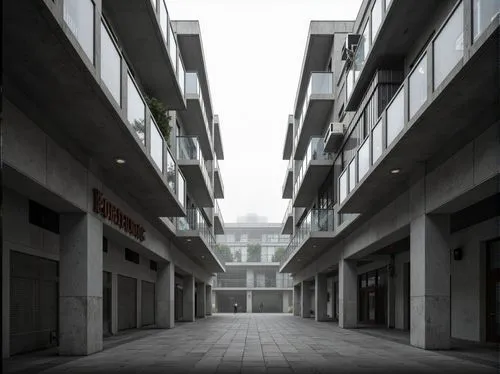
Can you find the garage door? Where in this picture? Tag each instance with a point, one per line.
(33, 303)
(148, 303)
(127, 302)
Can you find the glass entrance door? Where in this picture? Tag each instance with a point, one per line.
(493, 290)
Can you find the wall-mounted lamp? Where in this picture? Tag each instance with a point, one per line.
(458, 254)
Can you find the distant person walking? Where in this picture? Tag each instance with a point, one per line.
(235, 306)
(261, 307)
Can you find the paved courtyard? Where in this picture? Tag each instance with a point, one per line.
(258, 343)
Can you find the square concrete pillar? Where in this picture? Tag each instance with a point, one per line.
(138, 313)
(200, 300)
(208, 302)
(430, 282)
(305, 297)
(348, 294)
(188, 299)
(80, 285)
(165, 296)
(321, 297)
(249, 301)
(297, 304)
(286, 296)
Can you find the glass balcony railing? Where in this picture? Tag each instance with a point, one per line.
(194, 221)
(317, 220)
(218, 213)
(315, 151)
(217, 169)
(262, 280)
(192, 87)
(289, 169)
(288, 213)
(188, 148)
(320, 83)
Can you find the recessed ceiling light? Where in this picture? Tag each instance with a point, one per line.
(395, 171)
(314, 245)
(120, 161)
(188, 240)
(202, 257)
(299, 260)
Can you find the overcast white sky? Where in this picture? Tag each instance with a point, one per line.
(253, 52)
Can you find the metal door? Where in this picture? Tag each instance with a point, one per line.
(148, 303)
(127, 302)
(106, 303)
(493, 291)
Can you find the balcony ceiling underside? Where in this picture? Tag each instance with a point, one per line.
(313, 179)
(287, 228)
(137, 29)
(45, 77)
(218, 227)
(192, 244)
(219, 189)
(219, 150)
(287, 192)
(317, 55)
(394, 40)
(288, 146)
(466, 106)
(192, 54)
(310, 248)
(314, 122)
(196, 185)
(194, 124)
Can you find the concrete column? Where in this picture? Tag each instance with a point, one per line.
(285, 301)
(348, 294)
(114, 303)
(249, 301)
(430, 282)
(214, 302)
(208, 303)
(188, 299)
(305, 297)
(320, 297)
(200, 299)
(139, 303)
(80, 285)
(165, 296)
(297, 305)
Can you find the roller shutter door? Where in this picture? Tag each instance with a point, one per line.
(34, 295)
(148, 303)
(127, 303)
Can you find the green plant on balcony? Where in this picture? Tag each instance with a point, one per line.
(278, 255)
(161, 116)
(237, 256)
(224, 252)
(253, 253)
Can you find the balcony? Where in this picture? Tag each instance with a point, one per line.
(192, 164)
(313, 234)
(99, 113)
(287, 189)
(194, 235)
(312, 173)
(450, 95)
(287, 223)
(218, 185)
(195, 118)
(288, 146)
(218, 221)
(145, 31)
(317, 104)
(219, 150)
(385, 40)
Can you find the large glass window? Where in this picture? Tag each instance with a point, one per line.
(377, 141)
(170, 170)
(164, 20)
(110, 64)
(79, 16)
(135, 109)
(343, 186)
(418, 86)
(156, 145)
(363, 159)
(483, 13)
(352, 174)
(448, 46)
(395, 117)
(376, 18)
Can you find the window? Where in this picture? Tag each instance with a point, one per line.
(395, 117)
(43, 217)
(79, 16)
(135, 109)
(153, 265)
(132, 256)
(483, 13)
(110, 64)
(448, 46)
(376, 18)
(418, 86)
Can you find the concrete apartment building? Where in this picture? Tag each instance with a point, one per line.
(109, 217)
(251, 250)
(393, 176)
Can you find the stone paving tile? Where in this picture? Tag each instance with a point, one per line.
(260, 343)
